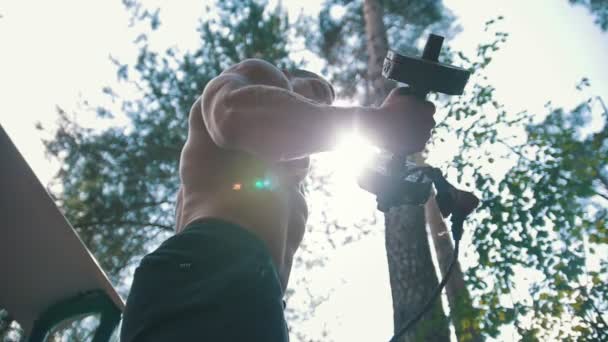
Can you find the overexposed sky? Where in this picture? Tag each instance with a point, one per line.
(56, 53)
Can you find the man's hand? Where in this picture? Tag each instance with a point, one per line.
(402, 124)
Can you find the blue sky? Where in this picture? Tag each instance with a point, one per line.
(56, 53)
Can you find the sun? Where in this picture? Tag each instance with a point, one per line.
(346, 162)
(352, 154)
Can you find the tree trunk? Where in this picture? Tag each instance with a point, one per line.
(411, 270)
(412, 275)
(377, 46)
(459, 299)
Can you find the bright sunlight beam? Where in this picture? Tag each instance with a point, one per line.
(351, 155)
(349, 202)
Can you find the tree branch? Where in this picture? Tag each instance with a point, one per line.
(602, 178)
(601, 195)
(567, 179)
(598, 313)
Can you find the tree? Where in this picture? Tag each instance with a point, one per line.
(598, 8)
(567, 182)
(553, 207)
(542, 218)
(462, 312)
(411, 269)
(506, 223)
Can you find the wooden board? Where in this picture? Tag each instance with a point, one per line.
(42, 259)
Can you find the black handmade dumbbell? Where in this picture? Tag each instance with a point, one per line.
(394, 180)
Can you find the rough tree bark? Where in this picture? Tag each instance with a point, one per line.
(411, 270)
(412, 275)
(459, 299)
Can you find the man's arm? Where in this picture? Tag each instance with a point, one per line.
(268, 120)
(250, 108)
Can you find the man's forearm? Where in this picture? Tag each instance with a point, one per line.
(276, 124)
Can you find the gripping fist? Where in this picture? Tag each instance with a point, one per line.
(402, 124)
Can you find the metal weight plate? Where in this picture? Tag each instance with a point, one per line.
(425, 74)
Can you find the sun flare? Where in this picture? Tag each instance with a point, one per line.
(352, 154)
(349, 203)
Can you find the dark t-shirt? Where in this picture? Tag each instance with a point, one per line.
(214, 281)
